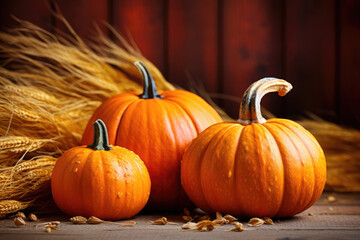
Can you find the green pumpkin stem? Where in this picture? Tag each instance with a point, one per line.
(250, 109)
(150, 90)
(101, 140)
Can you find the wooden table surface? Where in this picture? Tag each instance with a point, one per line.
(329, 220)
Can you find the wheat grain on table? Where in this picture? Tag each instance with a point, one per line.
(334, 216)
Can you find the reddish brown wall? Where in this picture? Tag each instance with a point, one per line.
(226, 45)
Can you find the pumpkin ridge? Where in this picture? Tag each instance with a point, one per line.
(237, 194)
(284, 169)
(99, 162)
(312, 160)
(260, 137)
(218, 135)
(107, 106)
(105, 203)
(68, 171)
(139, 169)
(173, 106)
(188, 179)
(196, 99)
(301, 189)
(166, 119)
(186, 113)
(120, 118)
(265, 125)
(235, 151)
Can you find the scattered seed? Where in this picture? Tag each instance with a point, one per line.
(20, 215)
(255, 222)
(78, 220)
(311, 214)
(128, 224)
(32, 217)
(268, 220)
(238, 227)
(160, 221)
(19, 221)
(331, 199)
(205, 225)
(94, 220)
(49, 223)
(230, 218)
(189, 226)
(56, 223)
(51, 226)
(220, 221)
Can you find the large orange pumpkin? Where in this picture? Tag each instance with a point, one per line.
(157, 126)
(255, 167)
(100, 180)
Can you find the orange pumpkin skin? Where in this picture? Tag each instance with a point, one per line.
(276, 168)
(158, 130)
(112, 184)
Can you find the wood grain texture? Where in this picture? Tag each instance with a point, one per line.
(144, 23)
(251, 47)
(193, 36)
(310, 56)
(349, 62)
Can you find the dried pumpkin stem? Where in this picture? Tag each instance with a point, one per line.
(150, 90)
(101, 140)
(250, 110)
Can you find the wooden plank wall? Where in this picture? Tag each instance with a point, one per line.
(227, 45)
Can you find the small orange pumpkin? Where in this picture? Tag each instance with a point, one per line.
(157, 126)
(255, 167)
(100, 180)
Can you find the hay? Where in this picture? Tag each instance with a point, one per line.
(342, 150)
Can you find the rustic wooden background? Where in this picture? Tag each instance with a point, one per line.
(226, 45)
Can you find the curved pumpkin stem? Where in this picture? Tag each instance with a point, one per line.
(150, 90)
(101, 140)
(250, 110)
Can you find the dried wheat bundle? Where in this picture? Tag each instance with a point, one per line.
(342, 150)
(49, 87)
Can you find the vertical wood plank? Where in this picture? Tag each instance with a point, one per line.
(35, 11)
(83, 14)
(251, 48)
(145, 22)
(349, 60)
(193, 43)
(310, 56)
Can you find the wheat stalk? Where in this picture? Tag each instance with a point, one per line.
(10, 206)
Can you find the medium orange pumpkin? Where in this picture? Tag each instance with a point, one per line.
(157, 126)
(255, 167)
(100, 180)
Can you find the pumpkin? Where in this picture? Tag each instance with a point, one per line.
(255, 167)
(157, 126)
(100, 180)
